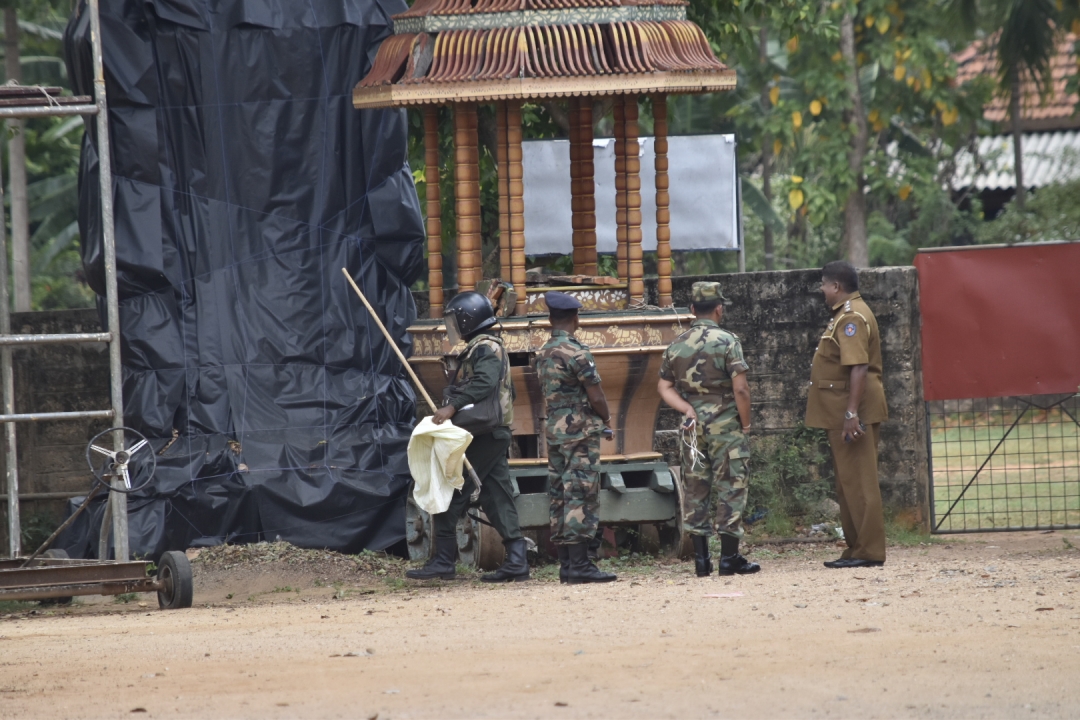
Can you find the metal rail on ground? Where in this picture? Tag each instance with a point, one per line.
(85, 106)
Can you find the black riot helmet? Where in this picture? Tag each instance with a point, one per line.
(466, 314)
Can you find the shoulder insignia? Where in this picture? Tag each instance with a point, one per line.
(847, 306)
(849, 329)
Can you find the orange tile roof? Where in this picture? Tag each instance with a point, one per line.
(1054, 112)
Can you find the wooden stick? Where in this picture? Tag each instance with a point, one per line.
(408, 368)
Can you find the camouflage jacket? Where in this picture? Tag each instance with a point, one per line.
(479, 366)
(566, 368)
(701, 364)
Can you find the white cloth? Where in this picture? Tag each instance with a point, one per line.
(436, 461)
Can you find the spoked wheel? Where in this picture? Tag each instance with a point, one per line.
(107, 463)
(177, 585)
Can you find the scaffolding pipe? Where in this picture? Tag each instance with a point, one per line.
(117, 500)
(54, 416)
(56, 339)
(7, 381)
(47, 111)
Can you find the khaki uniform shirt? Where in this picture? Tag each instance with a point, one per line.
(851, 338)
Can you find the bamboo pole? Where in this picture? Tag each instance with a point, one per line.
(635, 276)
(408, 368)
(503, 171)
(434, 211)
(516, 189)
(663, 200)
(467, 196)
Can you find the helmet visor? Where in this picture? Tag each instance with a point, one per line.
(452, 332)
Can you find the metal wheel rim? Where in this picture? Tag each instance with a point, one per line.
(98, 473)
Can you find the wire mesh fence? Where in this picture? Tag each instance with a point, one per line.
(1005, 463)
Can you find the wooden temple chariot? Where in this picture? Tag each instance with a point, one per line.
(464, 53)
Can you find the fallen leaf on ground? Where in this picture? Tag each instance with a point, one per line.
(1042, 609)
(865, 630)
(561, 704)
(723, 595)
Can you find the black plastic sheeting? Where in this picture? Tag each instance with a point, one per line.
(244, 180)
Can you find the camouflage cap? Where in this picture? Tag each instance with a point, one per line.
(703, 292)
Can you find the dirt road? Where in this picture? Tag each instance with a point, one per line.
(976, 627)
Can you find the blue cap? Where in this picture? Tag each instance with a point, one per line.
(561, 301)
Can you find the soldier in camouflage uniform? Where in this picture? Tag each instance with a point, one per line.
(703, 376)
(577, 413)
(483, 362)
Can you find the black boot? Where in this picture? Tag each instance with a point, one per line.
(702, 561)
(581, 568)
(442, 565)
(515, 567)
(564, 562)
(731, 562)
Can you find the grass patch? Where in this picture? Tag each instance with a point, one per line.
(125, 597)
(898, 532)
(1030, 480)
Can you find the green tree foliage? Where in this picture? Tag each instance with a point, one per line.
(52, 152)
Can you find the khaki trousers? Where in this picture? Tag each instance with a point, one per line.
(857, 490)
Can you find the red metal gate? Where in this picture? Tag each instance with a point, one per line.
(1001, 378)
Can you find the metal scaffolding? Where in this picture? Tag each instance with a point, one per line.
(39, 104)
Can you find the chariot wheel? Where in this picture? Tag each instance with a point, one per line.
(675, 542)
(419, 530)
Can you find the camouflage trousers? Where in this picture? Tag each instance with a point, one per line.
(573, 488)
(716, 485)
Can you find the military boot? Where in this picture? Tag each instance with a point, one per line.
(515, 567)
(442, 565)
(731, 562)
(564, 562)
(581, 568)
(702, 561)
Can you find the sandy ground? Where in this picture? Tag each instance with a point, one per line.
(972, 627)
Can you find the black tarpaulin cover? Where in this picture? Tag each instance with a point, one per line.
(244, 181)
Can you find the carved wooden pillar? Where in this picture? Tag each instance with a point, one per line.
(621, 254)
(503, 170)
(635, 276)
(434, 210)
(663, 200)
(467, 196)
(516, 190)
(583, 187)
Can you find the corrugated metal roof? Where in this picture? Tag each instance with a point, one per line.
(1048, 158)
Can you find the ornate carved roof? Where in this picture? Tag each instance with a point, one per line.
(449, 50)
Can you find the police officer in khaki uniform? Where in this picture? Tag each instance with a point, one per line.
(847, 399)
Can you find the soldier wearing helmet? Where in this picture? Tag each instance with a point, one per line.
(483, 369)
